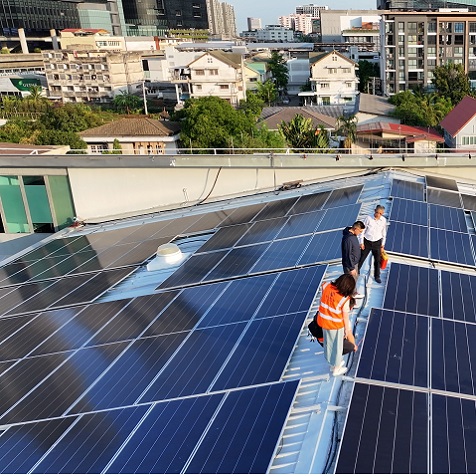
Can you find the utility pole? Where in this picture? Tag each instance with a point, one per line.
(146, 112)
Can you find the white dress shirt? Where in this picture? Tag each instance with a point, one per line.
(375, 229)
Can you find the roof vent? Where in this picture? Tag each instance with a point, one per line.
(167, 255)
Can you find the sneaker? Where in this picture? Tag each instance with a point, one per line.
(378, 280)
(359, 296)
(339, 371)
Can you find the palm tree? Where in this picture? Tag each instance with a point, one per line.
(347, 126)
(267, 91)
(299, 132)
(128, 103)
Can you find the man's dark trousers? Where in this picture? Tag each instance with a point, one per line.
(375, 248)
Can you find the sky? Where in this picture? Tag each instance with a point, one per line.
(270, 10)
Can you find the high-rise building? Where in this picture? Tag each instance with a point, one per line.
(297, 22)
(253, 23)
(157, 17)
(414, 43)
(311, 9)
(425, 5)
(221, 19)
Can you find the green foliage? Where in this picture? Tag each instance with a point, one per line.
(366, 71)
(299, 132)
(346, 126)
(451, 82)
(419, 109)
(4, 51)
(116, 148)
(260, 138)
(322, 140)
(74, 117)
(126, 103)
(253, 106)
(279, 71)
(267, 92)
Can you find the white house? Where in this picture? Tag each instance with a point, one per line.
(333, 80)
(459, 125)
(219, 74)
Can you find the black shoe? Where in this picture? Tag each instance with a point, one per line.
(378, 280)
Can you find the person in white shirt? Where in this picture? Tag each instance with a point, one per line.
(373, 239)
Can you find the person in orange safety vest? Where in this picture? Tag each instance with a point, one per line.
(333, 317)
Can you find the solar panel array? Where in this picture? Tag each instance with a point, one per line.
(184, 380)
(414, 400)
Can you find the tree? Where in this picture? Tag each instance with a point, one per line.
(252, 106)
(127, 103)
(279, 71)
(366, 71)
(451, 82)
(347, 126)
(299, 132)
(267, 92)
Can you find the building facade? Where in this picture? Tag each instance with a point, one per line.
(274, 33)
(425, 5)
(414, 43)
(297, 22)
(221, 19)
(253, 23)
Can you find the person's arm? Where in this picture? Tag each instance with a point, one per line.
(347, 328)
(384, 233)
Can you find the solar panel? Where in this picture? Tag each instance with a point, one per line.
(409, 190)
(454, 424)
(458, 296)
(255, 426)
(130, 374)
(322, 247)
(53, 396)
(262, 352)
(309, 203)
(442, 197)
(395, 348)
(340, 217)
(343, 196)
(262, 231)
(450, 246)
(412, 289)
(407, 239)
(386, 432)
(243, 214)
(302, 224)
(447, 218)
(453, 356)
(409, 211)
(225, 238)
(278, 208)
(281, 254)
(441, 182)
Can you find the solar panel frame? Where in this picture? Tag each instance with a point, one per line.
(451, 246)
(407, 189)
(409, 211)
(408, 239)
(458, 296)
(447, 218)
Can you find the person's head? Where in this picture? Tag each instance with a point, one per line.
(379, 211)
(345, 284)
(357, 228)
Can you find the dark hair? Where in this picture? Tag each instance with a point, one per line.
(359, 224)
(345, 284)
(351, 302)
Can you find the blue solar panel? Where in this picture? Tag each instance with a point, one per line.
(386, 432)
(195, 365)
(453, 436)
(245, 432)
(225, 238)
(292, 292)
(412, 289)
(451, 246)
(262, 353)
(301, 224)
(458, 296)
(281, 254)
(262, 231)
(442, 197)
(309, 203)
(407, 239)
(130, 375)
(167, 437)
(453, 356)
(91, 442)
(340, 217)
(409, 211)
(448, 218)
(343, 196)
(410, 190)
(395, 348)
(322, 247)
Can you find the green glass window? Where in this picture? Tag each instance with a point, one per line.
(62, 200)
(15, 219)
(38, 204)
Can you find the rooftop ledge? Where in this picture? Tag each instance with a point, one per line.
(268, 159)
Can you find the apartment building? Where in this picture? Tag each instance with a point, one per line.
(297, 22)
(414, 43)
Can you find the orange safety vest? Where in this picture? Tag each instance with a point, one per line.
(330, 314)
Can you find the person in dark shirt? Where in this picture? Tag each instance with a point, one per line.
(351, 248)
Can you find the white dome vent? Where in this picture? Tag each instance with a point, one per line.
(167, 255)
